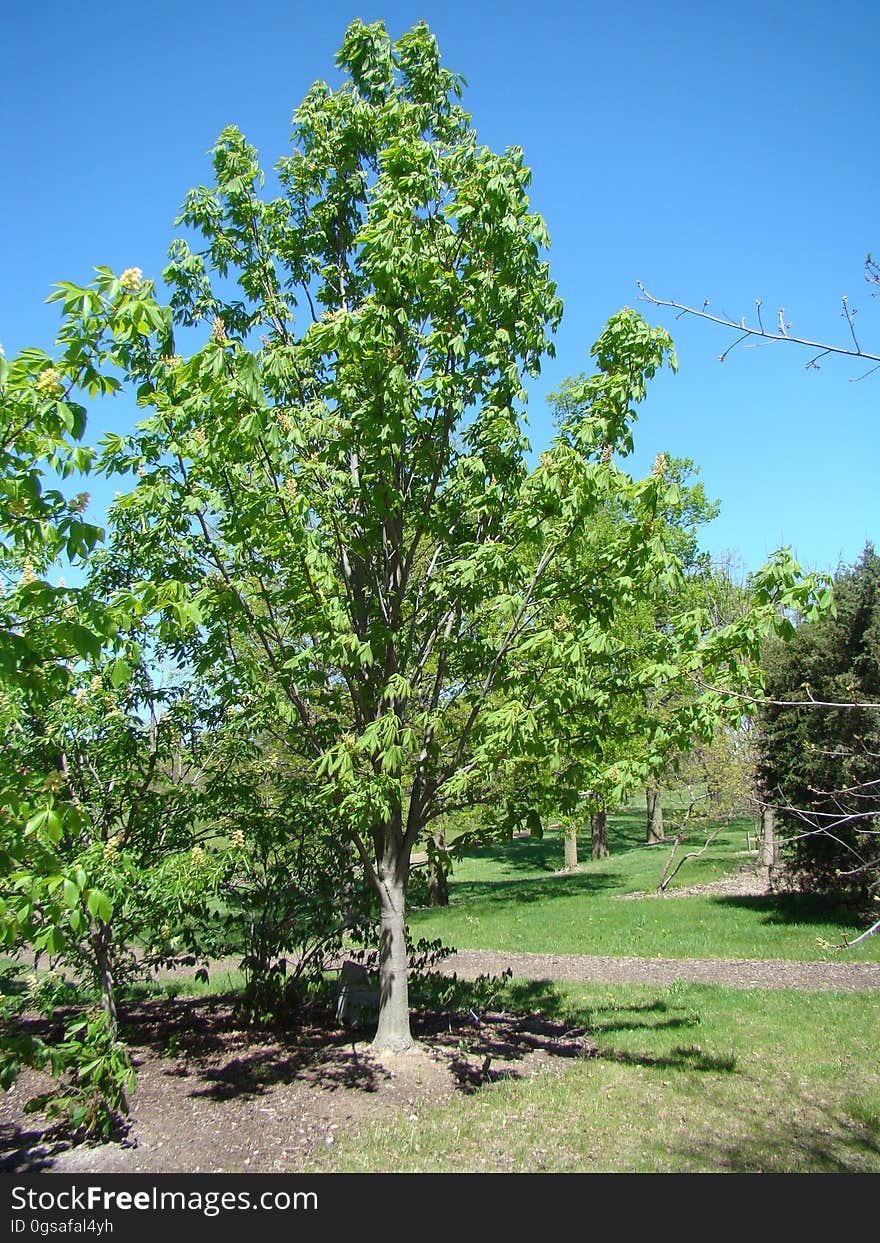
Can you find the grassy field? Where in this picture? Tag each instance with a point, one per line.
(511, 897)
(688, 1078)
(685, 1078)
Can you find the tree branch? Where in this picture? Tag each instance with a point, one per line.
(783, 334)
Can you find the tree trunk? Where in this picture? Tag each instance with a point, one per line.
(438, 889)
(655, 831)
(768, 838)
(393, 1032)
(438, 886)
(101, 939)
(571, 847)
(599, 827)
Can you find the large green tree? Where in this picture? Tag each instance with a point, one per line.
(335, 516)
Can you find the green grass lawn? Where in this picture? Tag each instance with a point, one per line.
(510, 897)
(687, 1078)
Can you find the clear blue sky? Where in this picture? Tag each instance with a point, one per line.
(711, 151)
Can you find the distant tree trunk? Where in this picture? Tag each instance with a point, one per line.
(349, 889)
(571, 847)
(438, 886)
(768, 838)
(655, 831)
(599, 829)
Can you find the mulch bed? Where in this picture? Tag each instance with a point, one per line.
(214, 1097)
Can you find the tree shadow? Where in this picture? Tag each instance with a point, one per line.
(833, 1141)
(523, 854)
(547, 853)
(537, 1018)
(332, 1066)
(792, 908)
(172, 1026)
(27, 1151)
(478, 1047)
(475, 1034)
(534, 889)
(682, 1057)
(200, 1039)
(489, 1048)
(658, 1015)
(631, 1024)
(627, 830)
(626, 834)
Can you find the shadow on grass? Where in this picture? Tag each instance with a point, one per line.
(793, 908)
(528, 1015)
(533, 856)
(627, 830)
(547, 854)
(682, 1057)
(632, 1024)
(533, 889)
(523, 854)
(823, 1139)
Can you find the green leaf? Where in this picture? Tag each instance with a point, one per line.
(120, 672)
(84, 641)
(100, 905)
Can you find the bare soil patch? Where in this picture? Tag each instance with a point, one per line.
(215, 1098)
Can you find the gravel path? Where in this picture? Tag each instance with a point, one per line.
(737, 973)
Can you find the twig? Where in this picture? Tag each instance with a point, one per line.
(691, 854)
(783, 334)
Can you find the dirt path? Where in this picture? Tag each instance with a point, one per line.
(737, 973)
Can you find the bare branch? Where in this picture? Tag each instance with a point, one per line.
(783, 703)
(743, 337)
(854, 379)
(783, 334)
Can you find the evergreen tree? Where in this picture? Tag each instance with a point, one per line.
(819, 762)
